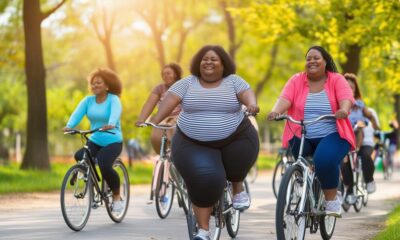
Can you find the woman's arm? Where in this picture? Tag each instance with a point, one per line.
(248, 98)
(280, 107)
(148, 108)
(167, 105)
(345, 107)
(367, 113)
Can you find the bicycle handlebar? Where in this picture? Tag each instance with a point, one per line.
(303, 122)
(164, 127)
(86, 132)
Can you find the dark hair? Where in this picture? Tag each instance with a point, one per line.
(351, 77)
(330, 64)
(227, 62)
(109, 77)
(176, 68)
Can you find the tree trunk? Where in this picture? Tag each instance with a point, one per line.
(109, 55)
(36, 154)
(270, 68)
(397, 112)
(352, 65)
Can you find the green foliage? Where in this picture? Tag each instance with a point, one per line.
(14, 180)
(392, 226)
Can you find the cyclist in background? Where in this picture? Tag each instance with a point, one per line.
(317, 91)
(214, 140)
(103, 109)
(393, 137)
(365, 121)
(170, 74)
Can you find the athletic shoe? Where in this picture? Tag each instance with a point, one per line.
(334, 208)
(351, 199)
(117, 206)
(202, 235)
(241, 201)
(371, 187)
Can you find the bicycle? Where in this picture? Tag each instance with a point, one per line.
(81, 191)
(382, 154)
(285, 160)
(359, 185)
(300, 202)
(166, 179)
(222, 214)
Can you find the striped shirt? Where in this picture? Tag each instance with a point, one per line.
(209, 114)
(317, 104)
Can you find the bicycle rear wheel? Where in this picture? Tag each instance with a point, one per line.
(279, 170)
(290, 225)
(76, 197)
(164, 194)
(359, 194)
(124, 191)
(232, 216)
(327, 226)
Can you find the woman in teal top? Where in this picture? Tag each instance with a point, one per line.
(103, 109)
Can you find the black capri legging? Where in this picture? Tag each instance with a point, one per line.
(105, 158)
(205, 166)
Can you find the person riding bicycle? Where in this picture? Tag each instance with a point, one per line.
(214, 140)
(362, 120)
(307, 95)
(103, 109)
(170, 74)
(393, 137)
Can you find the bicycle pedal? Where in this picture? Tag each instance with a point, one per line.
(149, 202)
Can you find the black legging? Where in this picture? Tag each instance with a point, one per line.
(205, 166)
(105, 158)
(367, 165)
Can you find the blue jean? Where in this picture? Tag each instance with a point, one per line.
(328, 153)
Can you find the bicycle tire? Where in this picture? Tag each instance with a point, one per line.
(122, 172)
(164, 195)
(327, 226)
(293, 175)
(77, 191)
(359, 203)
(232, 217)
(183, 200)
(191, 221)
(278, 172)
(341, 189)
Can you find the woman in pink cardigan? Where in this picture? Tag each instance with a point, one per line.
(307, 95)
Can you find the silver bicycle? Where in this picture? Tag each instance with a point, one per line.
(301, 201)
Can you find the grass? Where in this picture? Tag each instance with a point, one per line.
(392, 230)
(15, 180)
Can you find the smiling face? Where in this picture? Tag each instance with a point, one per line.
(98, 86)
(315, 63)
(168, 76)
(211, 66)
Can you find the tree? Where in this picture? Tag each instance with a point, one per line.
(36, 154)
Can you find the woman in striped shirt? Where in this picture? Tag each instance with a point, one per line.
(214, 140)
(318, 91)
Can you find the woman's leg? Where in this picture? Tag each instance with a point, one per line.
(239, 156)
(347, 175)
(367, 164)
(106, 157)
(203, 172)
(327, 158)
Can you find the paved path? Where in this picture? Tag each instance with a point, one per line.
(38, 216)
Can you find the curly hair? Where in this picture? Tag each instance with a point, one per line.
(109, 77)
(330, 64)
(351, 77)
(176, 68)
(226, 60)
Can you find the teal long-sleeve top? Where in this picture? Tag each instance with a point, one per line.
(100, 114)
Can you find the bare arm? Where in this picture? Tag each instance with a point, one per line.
(343, 111)
(167, 105)
(280, 107)
(370, 116)
(248, 98)
(148, 108)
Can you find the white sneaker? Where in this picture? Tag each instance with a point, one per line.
(241, 201)
(351, 199)
(371, 187)
(202, 235)
(117, 206)
(334, 208)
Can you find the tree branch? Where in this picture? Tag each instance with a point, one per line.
(51, 11)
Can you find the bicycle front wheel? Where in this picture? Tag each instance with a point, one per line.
(76, 197)
(289, 224)
(164, 194)
(327, 226)
(124, 191)
(232, 216)
(279, 170)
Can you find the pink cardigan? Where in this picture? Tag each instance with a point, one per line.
(296, 91)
